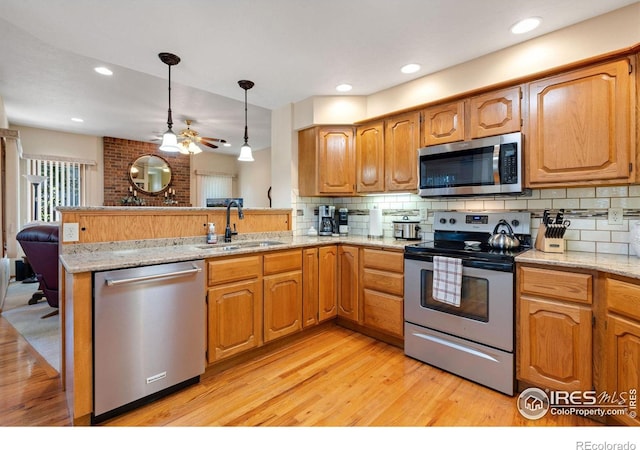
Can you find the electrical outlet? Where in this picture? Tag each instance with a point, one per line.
(70, 232)
(615, 216)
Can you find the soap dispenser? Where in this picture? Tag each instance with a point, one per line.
(212, 237)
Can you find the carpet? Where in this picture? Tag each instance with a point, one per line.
(42, 334)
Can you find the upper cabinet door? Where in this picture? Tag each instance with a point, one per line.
(580, 127)
(370, 157)
(402, 140)
(336, 160)
(443, 124)
(495, 113)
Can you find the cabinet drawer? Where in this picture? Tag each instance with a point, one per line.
(556, 284)
(282, 262)
(233, 269)
(383, 311)
(623, 298)
(383, 260)
(393, 283)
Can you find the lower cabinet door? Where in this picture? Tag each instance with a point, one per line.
(623, 362)
(555, 344)
(235, 318)
(282, 305)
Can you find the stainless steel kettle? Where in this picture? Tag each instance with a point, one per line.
(501, 239)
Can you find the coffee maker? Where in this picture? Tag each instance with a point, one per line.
(326, 222)
(343, 221)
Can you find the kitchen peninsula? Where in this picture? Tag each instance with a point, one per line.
(265, 271)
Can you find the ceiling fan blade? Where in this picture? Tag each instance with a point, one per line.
(213, 139)
(208, 144)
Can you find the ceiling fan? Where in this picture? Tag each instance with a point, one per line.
(188, 140)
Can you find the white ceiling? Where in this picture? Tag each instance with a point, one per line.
(291, 49)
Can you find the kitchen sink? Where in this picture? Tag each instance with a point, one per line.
(230, 246)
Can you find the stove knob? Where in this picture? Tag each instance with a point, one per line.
(443, 220)
(515, 222)
(452, 221)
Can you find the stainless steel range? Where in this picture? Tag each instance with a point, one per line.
(472, 336)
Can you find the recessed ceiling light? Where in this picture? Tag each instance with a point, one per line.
(103, 71)
(343, 87)
(526, 25)
(77, 119)
(226, 144)
(410, 68)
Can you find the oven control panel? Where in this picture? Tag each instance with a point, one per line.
(485, 222)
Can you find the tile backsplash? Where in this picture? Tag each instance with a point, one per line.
(586, 208)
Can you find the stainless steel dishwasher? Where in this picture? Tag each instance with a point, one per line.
(149, 334)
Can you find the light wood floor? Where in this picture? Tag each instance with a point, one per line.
(333, 377)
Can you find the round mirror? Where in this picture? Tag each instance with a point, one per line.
(150, 174)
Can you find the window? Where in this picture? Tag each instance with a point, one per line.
(64, 186)
(212, 185)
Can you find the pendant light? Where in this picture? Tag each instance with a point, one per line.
(245, 150)
(169, 138)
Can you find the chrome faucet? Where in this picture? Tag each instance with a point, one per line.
(227, 231)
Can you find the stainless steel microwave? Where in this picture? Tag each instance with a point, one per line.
(485, 166)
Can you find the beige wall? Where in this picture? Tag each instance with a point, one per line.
(254, 179)
(213, 163)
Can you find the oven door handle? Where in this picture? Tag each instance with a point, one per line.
(496, 164)
(455, 346)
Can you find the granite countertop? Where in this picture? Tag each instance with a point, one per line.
(120, 258)
(624, 265)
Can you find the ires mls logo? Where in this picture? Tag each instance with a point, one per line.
(534, 403)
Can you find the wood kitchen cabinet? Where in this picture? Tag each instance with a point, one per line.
(234, 306)
(581, 127)
(382, 279)
(401, 143)
(387, 154)
(348, 282)
(494, 113)
(622, 341)
(442, 124)
(326, 161)
(555, 328)
(370, 153)
(489, 114)
(327, 282)
(282, 278)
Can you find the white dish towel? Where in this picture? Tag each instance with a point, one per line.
(447, 280)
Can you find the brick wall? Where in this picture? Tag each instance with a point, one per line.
(119, 153)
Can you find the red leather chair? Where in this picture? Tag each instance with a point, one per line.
(40, 246)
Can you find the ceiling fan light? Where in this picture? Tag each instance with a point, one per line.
(169, 142)
(194, 149)
(183, 147)
(245, 153)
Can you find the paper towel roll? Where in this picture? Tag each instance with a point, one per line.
(375, 222)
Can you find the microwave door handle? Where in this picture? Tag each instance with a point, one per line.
(496, 164)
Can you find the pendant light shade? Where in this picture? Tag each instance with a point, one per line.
(245, 150)
(169, 138)
(245, 154)
(169, 142)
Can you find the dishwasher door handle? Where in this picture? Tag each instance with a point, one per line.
(179, 273)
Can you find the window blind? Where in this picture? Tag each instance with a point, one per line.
(64, 186)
